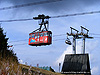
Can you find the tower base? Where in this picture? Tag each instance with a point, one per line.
(76, 64)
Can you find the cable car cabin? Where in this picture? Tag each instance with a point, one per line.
(40, 38)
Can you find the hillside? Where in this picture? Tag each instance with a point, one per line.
(35, 70)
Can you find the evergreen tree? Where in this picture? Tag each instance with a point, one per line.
(4, 51)
(3, 42)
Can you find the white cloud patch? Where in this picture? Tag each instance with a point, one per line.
(21, 61)
(90, 46)
(69, 51)
(95, 70)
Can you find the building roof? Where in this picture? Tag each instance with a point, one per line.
(76, 63)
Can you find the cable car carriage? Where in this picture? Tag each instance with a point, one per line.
(41, 36)
(68, 40)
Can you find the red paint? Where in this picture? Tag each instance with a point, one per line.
(40, 38)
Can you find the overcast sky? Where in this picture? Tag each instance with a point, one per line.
(53, 54)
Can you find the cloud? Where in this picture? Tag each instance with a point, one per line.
(21, 61)
(69, 51)
(61, 7)
(78, 49)
(55, 8)
(95, 70)
(89, 49)
(64, 5)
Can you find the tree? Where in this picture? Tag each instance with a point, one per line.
(4, 51)
(3, 42)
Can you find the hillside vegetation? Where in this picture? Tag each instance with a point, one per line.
(8, 59)
(35, 71)
(9, 64)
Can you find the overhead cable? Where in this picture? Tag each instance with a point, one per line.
(27, 39)
(53, 40)
(27, 43)
(53, 36)
(16, 20)
(76, 14)
(67, 15)
(29, 4)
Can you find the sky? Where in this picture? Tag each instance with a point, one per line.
(51, 55)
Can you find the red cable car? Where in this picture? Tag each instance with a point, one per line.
(41, 36)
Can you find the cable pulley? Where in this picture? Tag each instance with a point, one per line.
(41, 36)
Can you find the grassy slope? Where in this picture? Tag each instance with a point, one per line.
(40, 70)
